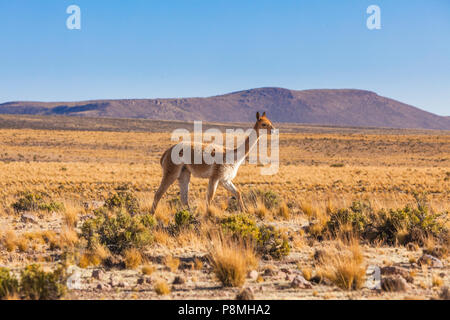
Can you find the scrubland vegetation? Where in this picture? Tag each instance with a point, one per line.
(74, 219)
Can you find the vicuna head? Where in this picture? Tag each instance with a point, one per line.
(262, 122)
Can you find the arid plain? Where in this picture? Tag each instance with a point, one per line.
(345, 202)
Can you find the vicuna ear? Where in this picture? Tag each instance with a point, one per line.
(257, 116)
(264, 114)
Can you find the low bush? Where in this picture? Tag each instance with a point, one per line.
(392, 226)
(267, 239)
(269, 198)
(337, 165)
(184, 219)
(241, 226)
(123, 200)
(37, 284)
(35, 202)
(272, 242)
(9, 285)
(417, 224)
(355, 218)
(118, 230)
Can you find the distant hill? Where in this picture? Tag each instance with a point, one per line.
(341, 107)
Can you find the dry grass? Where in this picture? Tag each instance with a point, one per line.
(162, 288)
(22, 244)
(132, 258)
(261, 211)
(148, 269)
(9, 240)
(307, 273)
(284, 212)
(214, 212)
(81, 166)
(344, 266)
(172, 263)
(68, 238)
(93, 257)
(198, 264)
(382, 167)
(231, 261)
(437, 281)
(70, 214)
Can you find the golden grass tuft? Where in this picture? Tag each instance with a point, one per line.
(9, 240)
(161, 237)
(68, 238)
(198, 264)
(283, 211)
(22, 244)
(94, 257)
(261, 211)
(344, 266)
(231, 261)
(164, 213)
(214, 212)
(308, 209)
(172, 263)
(72, 210)
(307, 273)
(148, 269)
(162, 288)
(132, 258)
(437, 281)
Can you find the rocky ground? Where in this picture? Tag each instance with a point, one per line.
(392, 272)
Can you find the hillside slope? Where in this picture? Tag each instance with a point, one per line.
(343, 107)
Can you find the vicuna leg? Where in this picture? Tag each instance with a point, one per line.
(183, 181)
(232, 188)
(212, 187)
(166, 182)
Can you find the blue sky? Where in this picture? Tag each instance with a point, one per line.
(149, 49)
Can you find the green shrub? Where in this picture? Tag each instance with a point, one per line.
(28, 202)
(267, 239)
(337, 165)
(123, 200)
(272, 242)
(147, 220)
(269, 198)
(418, 224)
(37, 284)
(51, 206)
(389, 226)
(34, 202)
(8, 283)
(118, 230)
(241, 226)
(184, 218)
(357, 216)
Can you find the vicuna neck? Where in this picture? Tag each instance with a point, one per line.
(247, 146)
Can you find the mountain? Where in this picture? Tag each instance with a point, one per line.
(340, 107)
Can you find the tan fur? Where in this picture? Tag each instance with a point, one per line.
(216, 173)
